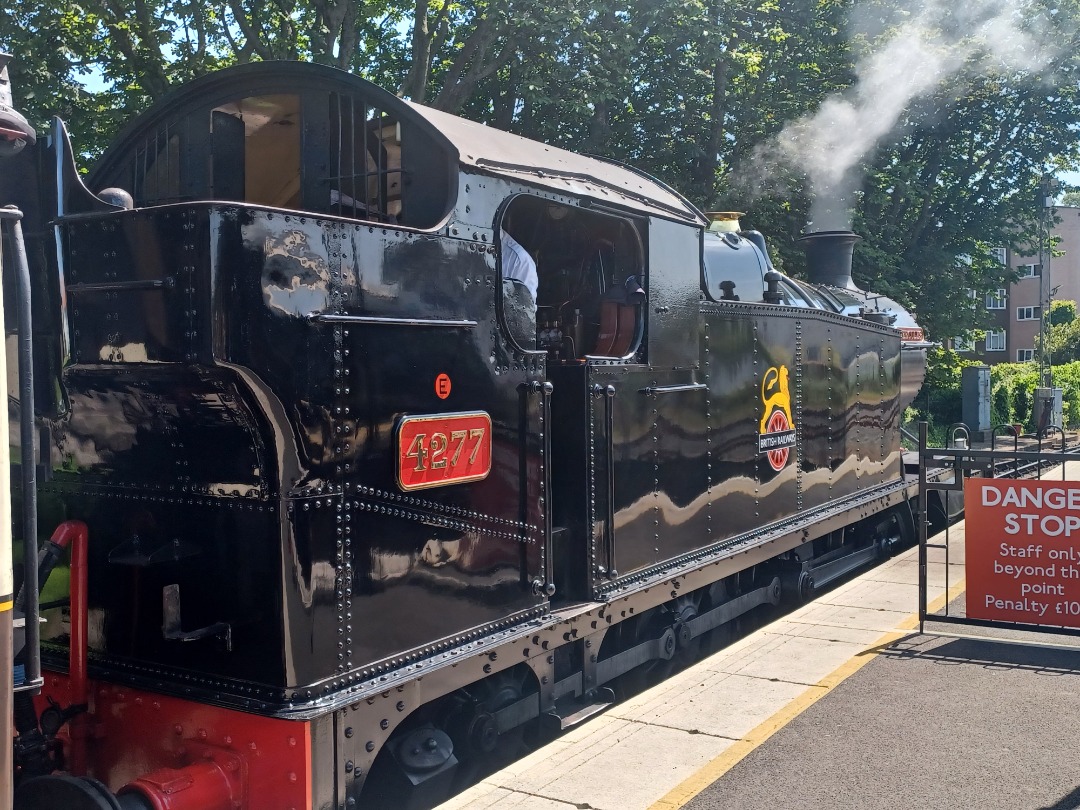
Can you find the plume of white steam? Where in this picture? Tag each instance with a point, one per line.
(926, 43)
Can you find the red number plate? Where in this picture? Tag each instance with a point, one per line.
(911, 333)
(451, 448)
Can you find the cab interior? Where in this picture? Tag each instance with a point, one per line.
(591, 280)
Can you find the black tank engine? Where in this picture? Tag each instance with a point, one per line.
(358, 505)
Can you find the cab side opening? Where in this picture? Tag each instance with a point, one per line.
(590, 281)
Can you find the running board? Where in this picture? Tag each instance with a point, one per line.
(821, 575)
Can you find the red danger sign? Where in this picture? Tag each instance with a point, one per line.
(1022, 543)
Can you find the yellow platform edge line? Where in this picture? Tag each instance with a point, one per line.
(721, 764)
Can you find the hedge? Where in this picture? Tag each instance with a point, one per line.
(1012, 392)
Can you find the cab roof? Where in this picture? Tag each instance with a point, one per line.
(500, 153)
(478, 148)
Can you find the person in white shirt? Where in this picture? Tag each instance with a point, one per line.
(518, 265)
(519, 275)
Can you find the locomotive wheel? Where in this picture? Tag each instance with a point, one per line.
(674, 615)
(688, 650)
(471, 723)
(900, 529)
(69, 792)
(466, 721)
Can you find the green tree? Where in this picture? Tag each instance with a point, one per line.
(1062, 313)
(1063, 342)
(688, 90)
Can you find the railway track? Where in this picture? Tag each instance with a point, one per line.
(1012, 468)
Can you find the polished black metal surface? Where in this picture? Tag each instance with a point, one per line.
(226, 437)
(226, 378)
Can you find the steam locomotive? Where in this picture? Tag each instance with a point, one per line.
(339, 509)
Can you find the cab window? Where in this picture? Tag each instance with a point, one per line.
(589, 280)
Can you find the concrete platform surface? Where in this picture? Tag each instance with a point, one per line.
(837, 704)
(930, 722)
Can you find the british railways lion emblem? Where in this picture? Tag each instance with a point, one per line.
(777, 434)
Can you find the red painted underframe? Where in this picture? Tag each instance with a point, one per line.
(133, 733)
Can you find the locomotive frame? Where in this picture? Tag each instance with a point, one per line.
(238, 353)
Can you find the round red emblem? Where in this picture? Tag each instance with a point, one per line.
(442, 386)
(778, 422)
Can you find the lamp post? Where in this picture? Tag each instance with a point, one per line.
(1048, 188)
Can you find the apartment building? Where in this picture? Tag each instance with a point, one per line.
(1015, 313)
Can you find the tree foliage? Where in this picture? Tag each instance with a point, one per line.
(1063, 339)
(1062, 312)
(688, 90)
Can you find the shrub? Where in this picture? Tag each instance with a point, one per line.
(1012, 392)
(1001, 411)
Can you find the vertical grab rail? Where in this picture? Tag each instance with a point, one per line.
(7, 594)
(546, 390)
(547, 587)
(608, 393)
(922, 518)
(12, 217)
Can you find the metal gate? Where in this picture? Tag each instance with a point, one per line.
(943, 473)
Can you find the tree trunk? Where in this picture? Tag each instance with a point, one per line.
(415, 84)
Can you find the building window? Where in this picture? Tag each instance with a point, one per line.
(961, 344)
(996, 299)
(995, 340)
(1029, 270)
(1028, 313)
(1024, 355)
(998, 254)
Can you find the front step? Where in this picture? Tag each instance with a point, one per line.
(570, 712)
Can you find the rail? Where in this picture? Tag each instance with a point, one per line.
(373, 320)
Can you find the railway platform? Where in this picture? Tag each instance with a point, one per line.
(841, 703)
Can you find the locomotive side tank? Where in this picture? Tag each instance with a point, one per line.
(348, 484)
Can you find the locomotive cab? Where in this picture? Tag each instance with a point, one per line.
(324, 149)
(590, 269)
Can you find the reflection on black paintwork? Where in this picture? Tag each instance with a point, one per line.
(238, 372)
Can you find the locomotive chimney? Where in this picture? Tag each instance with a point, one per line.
(828, 257)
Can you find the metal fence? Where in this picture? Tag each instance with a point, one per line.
(943, 472)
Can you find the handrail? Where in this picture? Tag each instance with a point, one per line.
(672, 389)
(12, 216)
(608, 394)
(374, 320)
